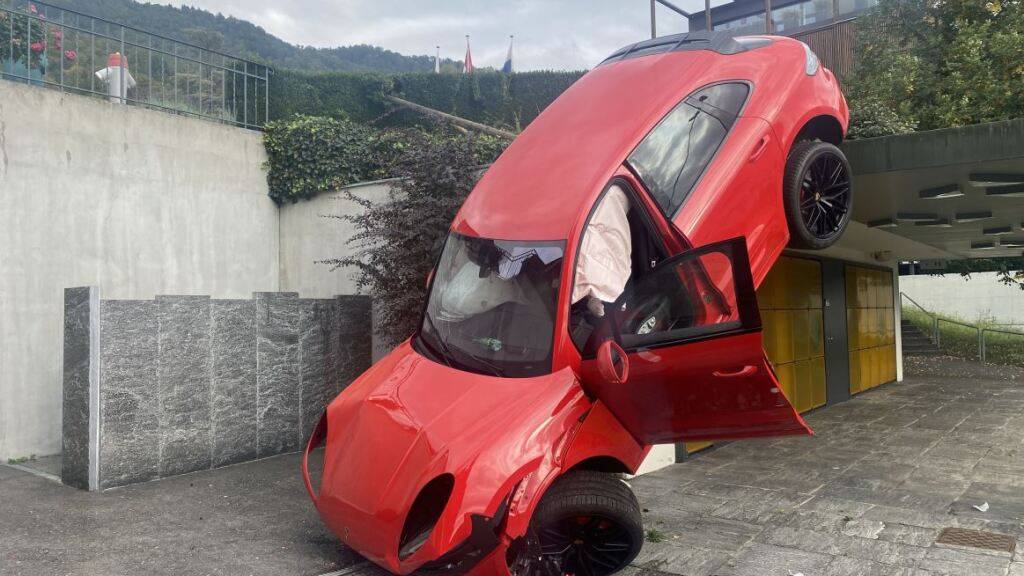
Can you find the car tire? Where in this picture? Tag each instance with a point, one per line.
(589, 518)
(816, 194)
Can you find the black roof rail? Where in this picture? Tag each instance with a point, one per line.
(720, 42)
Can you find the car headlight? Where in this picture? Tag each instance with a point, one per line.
(426, 510)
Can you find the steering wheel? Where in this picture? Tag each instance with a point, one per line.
(651, 315)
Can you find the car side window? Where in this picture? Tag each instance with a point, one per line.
(673, 156)
(699, 293)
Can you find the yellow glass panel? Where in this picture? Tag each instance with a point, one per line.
(801, 334)
(782, 286)
(814, 298)
(890, 363)
(876, 366)
(851, 287)
(879, 281)
(889, 296)
(786, 374)
(853, 328)
(692, 447)
(818, 390)
(854, 371)
(803, 392)
(784, 336)
(816, 331)
(863, 289)
(769, 325)
(765, 292)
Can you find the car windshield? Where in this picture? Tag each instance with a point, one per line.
(491, 308)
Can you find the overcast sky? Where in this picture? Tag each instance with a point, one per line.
(554, 34)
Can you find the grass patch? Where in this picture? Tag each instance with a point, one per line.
(962, 341)
(21, 460)
(654, 535)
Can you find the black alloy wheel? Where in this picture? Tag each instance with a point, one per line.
(587, 524)
(818, 195)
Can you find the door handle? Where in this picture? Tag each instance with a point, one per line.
(761, 147)
(745, 371)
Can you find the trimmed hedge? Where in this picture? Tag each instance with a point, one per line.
(309, 155)
(487, 97)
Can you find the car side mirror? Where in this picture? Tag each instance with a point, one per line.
(612, 362)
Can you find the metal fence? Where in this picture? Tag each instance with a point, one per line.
(47, 45)
(983, 335)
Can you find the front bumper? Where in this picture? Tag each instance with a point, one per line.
(484, 538)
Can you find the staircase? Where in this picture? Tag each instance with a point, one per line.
(916, 342)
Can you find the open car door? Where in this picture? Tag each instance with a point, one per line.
(691, 331)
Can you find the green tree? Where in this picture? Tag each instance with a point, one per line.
(398, 241)
(927, 64)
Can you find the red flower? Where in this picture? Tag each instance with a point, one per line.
(58, 34)
(32, 9)
(37, 46)
(71, 55)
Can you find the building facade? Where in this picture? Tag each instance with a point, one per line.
(825, 25)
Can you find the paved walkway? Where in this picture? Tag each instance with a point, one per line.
(866, 496)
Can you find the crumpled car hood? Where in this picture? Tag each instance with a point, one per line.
(409, 419)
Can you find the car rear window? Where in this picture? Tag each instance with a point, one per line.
(673, 156)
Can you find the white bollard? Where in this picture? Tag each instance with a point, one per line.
(113, 75)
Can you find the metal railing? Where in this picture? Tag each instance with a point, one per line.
(982, 332)
(47, 45)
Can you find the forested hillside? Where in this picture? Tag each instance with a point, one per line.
(245, 39)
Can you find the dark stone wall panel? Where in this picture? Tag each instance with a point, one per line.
(129, 398)
(185, 383)
(233, 344)
(78, 318)
(354, 339)
(277, 373)
(316, 319)
(186, 443)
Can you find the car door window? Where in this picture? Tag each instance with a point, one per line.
(697, 294)
(673, 156)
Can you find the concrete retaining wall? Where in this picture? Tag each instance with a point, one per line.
(139, 202)
(156, 388)
(980, 297)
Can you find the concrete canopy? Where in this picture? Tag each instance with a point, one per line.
(953, 193)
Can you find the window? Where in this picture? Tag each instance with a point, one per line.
(850, 6)
(491, 308)
(701, 293)
(688, 296)
(671, 159)
(753, 24)
(646, 251)
(801, 14)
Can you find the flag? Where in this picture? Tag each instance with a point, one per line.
(468, 69)
(507, 68)
(437, 61)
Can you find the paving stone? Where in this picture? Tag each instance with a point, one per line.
(866, 496)
(846, 566)
(910, 535)
(960, 563)
(862, 528)
(763, 559)
(837, 506)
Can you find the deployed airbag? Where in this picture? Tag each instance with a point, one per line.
(603, 265)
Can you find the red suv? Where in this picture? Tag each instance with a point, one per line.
(595, 296)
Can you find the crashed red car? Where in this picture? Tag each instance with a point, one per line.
(549, 361)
